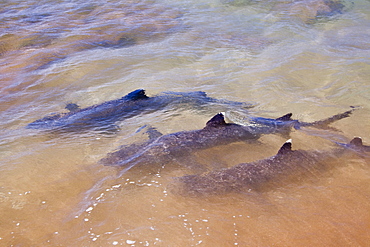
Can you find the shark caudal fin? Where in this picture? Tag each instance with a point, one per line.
(217, 120)
(324, 124)
(286, 117)
(136, 95)
(287, 147)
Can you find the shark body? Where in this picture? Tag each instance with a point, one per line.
(133, 104)
(286, 164)
(162, 149)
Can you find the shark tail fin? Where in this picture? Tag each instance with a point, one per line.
(287, 147)
(324, 124)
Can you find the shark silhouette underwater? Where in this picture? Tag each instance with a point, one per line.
(103, 116)
(260, 175)
(179, 146)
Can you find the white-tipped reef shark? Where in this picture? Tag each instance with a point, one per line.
(260, 175)
(135, 103)
(162, 149)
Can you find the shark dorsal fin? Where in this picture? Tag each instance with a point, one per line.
(217, 120)
(357, 141)
(287, 147)
(286, 117)
(72, 107)
(136, 95)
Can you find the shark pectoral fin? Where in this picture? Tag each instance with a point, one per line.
(287, 147)
(286, 117)
(72, 107)
(136, 95)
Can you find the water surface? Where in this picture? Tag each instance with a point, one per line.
(284, 56)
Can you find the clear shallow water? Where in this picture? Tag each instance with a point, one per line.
(277, 55)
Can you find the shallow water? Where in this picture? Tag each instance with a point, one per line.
(277, 55)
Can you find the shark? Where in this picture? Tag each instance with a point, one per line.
(106, 114)
(287, 164)
(178, 147)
